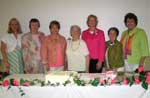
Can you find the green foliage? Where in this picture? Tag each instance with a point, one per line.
(79, 82)
(131, 80)
(95, 82)
(144, 85)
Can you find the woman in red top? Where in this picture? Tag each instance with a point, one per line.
(95, 41)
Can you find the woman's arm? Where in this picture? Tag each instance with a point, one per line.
(143, 43)
(66, 63)
(41, 36)
(65, 47)
(44, 54)
(102, 51)
(4, 55)
(119, 55)
(87, 63)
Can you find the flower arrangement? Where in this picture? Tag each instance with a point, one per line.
(142, 78)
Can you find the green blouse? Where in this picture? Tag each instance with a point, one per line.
(114, 54)
(139, 45)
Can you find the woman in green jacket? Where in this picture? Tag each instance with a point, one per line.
(114, 52)
(135, 43)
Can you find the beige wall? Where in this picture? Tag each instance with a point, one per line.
(68, 12)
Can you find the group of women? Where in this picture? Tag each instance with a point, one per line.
(86, 51)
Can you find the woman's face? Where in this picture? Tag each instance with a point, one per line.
(54, 29)
(112, 35)
(14, 26)
(75, 33)
(130, 24)
(34, 27)
(92, 22)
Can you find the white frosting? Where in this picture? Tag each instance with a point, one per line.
(59, 76)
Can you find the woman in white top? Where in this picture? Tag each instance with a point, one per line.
(77, 51)
(11, 48)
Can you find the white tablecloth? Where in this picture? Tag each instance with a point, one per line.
(113, 91)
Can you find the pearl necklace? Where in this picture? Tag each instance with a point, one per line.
(75, 49)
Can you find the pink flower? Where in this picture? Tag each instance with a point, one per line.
(26, 84)
(1, 76)
(102, 82)
(141, 69)
(5, 83)
(125, 81)
(148, 74)
(15, 83)
(114, 80)
(147, 79)
(136, 80)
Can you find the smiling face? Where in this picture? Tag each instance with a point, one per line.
(112, 35)
(54, 29)
(34, 26)
(130, 24)
(92, 22)
(75, 33)
(14, 26)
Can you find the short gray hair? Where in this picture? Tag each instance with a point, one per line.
(75, 26)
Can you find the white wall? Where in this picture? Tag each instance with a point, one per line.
(68, 12)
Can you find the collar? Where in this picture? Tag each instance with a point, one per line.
(111, 44)
(95, 33)
(131, 32)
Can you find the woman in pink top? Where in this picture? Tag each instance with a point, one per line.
(95, 41)
(53, 49)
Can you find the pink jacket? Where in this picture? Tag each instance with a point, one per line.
(95, 43)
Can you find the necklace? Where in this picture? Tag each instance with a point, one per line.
(54, 39)
(76, 48)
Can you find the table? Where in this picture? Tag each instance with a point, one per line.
(113, 91)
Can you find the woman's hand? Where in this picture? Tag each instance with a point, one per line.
(98, 65)
(108, 69)
(25, 43)
(28, 69)
(6, 63)
(6, 67)
(87, 71)
(46, 68)
(42, 36)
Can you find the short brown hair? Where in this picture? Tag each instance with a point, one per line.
(114, 29)
(34, 20)
(130, 16)
(19, 26)
(54, 22)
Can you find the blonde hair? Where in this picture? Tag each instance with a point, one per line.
(9, 27)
